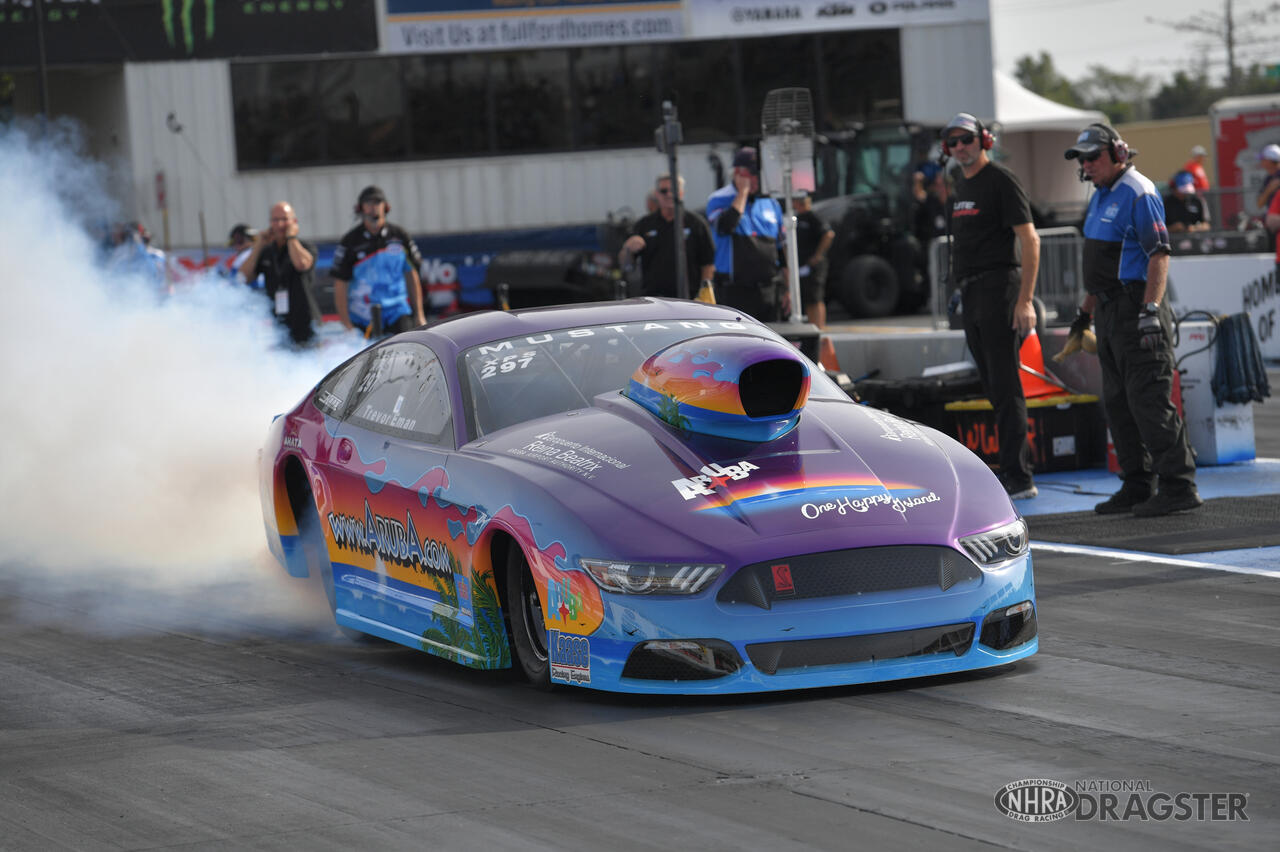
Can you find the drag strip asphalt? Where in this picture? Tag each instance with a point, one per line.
(196, 724)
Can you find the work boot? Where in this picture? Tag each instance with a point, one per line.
(1169, 500)
(1025, 492)
(1129, 495)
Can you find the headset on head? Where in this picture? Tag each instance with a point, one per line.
(984, 136)
(1118, 147)
(360, 205)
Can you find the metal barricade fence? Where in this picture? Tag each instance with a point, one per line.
(1059, 285)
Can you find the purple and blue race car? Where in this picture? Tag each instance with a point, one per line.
(651, 496)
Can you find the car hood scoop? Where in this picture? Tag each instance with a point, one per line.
(724, 385)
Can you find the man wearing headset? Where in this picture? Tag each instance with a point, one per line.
(990, 221)
(376, 263)
(1126, 265)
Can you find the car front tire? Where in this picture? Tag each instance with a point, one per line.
(528, 627)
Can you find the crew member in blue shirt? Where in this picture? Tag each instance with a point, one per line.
(377, 263)
(747, 227)
(1126, 266)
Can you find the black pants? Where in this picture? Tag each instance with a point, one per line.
(762, 300)
(1137, 395)
(988, 330)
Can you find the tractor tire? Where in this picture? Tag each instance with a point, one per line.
(868, 287)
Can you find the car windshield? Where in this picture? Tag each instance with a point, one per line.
(523, 378)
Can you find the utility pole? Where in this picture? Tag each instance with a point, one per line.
(1224, 27)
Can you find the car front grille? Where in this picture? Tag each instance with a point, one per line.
(859, 570)
(775, 657)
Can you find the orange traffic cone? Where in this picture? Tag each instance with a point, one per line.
(1035, 379)
(827, 354)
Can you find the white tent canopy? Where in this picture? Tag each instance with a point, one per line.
(1018, 109)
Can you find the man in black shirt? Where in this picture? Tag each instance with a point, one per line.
(991, 213)
(813, 239)
(1183, 209)
(287, 266)
(653, 241)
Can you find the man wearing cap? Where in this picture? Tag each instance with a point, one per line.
(1126, 266)
(747, 226)
(1184, 210)
(813, 240)
(286, 264)
(375, 272)
(990, 223)
(1269, 158)
(1271, 218)
(240, 242)
(653, 241)
(1196, 167)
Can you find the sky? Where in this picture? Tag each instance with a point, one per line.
(1118, 35)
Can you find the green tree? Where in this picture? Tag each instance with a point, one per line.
(1122, 96)
(1185, 95)
(1039, 75)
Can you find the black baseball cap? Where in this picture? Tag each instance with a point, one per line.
(241, 230)
(746, 159)
(371, 193)
(1093, 138)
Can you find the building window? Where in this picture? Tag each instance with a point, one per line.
(449, 105)
(392, 109)
(362, 104)
(614, 97)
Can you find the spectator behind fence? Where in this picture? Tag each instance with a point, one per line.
(240, 241)
(1195, 166)
(376, 264)
(1269, 157)
(286, 264)
(1185, 211)
(133, 254)
(1126, 267)
(653, 243)
(747, 227)
(1272, 222)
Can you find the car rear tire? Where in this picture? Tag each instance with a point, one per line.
(528, 627)
(869, 287)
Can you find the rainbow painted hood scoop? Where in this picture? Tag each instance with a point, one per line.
(727, 385)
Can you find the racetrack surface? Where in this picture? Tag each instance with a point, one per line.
(209, 729)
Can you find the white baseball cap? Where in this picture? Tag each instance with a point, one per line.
(1270, 152)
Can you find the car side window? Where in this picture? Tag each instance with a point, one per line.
(336, 393)
(402, 392)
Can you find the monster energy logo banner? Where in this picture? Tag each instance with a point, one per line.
(79, 31)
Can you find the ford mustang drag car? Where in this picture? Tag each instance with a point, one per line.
(643, 496)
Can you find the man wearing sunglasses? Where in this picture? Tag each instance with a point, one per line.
(1126, 265)
(995, 258)
(653, 241)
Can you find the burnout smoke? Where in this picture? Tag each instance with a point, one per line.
(131, 420)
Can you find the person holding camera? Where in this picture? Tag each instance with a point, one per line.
(1126, 267)
(286, 264)
(747, 228)
(653, 243)
(375, 272)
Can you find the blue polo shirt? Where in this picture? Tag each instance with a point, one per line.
(1123, 228)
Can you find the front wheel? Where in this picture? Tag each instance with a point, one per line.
(528, 627)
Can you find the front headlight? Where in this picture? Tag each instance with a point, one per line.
(993, 548)
(650, 578)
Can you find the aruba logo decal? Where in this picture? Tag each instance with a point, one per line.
(713, 476)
